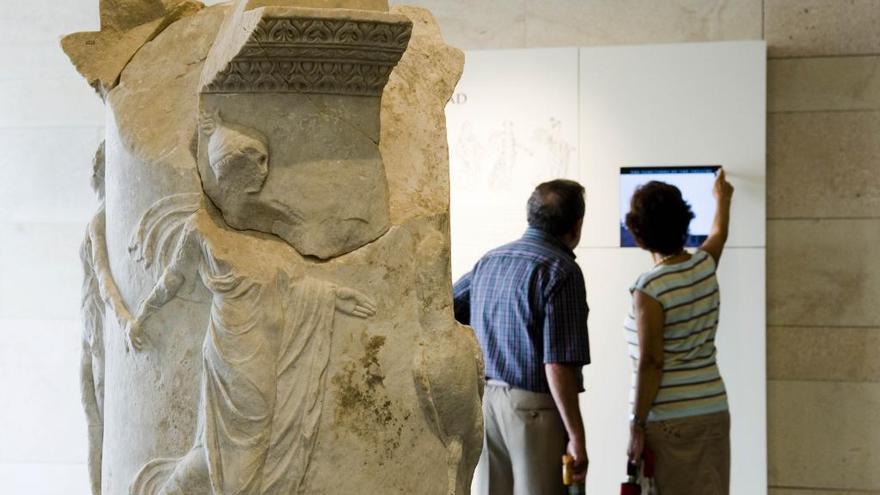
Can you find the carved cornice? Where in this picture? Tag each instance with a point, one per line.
(315, 55)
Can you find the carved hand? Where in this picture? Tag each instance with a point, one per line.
(124, 319)
(134, 334)
(354, 303)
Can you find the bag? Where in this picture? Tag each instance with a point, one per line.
(640, 476)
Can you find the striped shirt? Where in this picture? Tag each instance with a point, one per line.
(528, 306)
(688, 293)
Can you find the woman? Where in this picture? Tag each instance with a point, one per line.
(680, 404)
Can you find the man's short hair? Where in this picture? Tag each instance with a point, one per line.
(659, 218)
(556, 206)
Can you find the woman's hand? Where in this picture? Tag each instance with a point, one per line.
(134, 334)
(636, 442)
(354, 303)
(723, 190)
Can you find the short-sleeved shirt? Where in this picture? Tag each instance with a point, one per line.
(689, 295)
(528, 306)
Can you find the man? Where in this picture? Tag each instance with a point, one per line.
(527, 303)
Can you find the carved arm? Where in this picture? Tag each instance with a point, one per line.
(109, 291)
(166, 288)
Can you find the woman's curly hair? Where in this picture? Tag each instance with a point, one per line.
(659, 218)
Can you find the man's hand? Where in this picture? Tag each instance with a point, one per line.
(578, 451)
(563, 382)
(354, 303)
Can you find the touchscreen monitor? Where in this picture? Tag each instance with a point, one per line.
(695, 183)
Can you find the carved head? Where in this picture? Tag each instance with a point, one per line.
(311, 81)
(238, 156)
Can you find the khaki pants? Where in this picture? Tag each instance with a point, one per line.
(693, 454)
(523, 443)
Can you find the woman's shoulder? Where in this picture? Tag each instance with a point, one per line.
(704, 260)
(663, 275)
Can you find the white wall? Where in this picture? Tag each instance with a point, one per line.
(621, 106)
(50, 125)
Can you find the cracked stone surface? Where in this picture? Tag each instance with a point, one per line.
(276, 251)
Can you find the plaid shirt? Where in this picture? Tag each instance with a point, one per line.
(528, 305)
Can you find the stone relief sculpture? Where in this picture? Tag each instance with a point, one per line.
(99, 292)
(267, 343)
(277, 212)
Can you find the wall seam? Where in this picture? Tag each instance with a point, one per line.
(51, 126)
(814, 489)
(839, 55)
(810, 380)
(852, 327)
(764, 20)
(840, 110)
(802, 219)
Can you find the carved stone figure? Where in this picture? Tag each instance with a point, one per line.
(267, 344)
(99, 292)
(277, 212)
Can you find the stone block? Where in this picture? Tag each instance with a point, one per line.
(49, 102)
(610, 22)
(803, 28)
(823, 83)
(39, 263)
(62, 170)
(823, 165)
(39, 375)
(823, 354)
(34, 61)
(823, 273)
(812, 491)
(824, 435)
(26, 21)
(478, 25)
(45, 478)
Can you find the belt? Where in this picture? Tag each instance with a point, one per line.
(497, 383)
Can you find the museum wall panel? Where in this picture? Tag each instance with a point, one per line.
(50, 125)
(39, 382)
(44, 478)
(498, 151)
(29, 21)
(48, 103)
(58, 168)
(40, 271)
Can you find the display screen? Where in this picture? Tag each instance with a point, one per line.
(695, 184)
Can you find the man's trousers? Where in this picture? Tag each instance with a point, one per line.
(523, 443)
